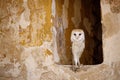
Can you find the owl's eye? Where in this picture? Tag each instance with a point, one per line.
(74, 34)
(79, 34)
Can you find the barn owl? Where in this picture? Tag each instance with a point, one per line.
(78, 45)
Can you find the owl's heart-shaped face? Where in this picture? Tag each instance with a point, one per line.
(77, 35)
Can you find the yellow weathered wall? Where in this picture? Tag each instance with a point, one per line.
(39, 29)
(25, 38)
(28, 31)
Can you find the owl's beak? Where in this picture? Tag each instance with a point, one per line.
(77, 37)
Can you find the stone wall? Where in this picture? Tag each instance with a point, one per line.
(111, 30)
(25, 38)
(35, 34)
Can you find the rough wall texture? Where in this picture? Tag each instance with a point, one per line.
(111, 30)
(25, 38)
(29, 41)
(64, 22)
(39, 27)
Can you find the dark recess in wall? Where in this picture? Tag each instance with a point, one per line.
(93, 53)
(90, 10)
(98, 52)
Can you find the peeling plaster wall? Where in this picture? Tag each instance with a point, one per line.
(39, 30)
(32, 23)
(25, 38)
(55, 48)
(34, 34)
(111, 30)
(61, 24)
(10, 50)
